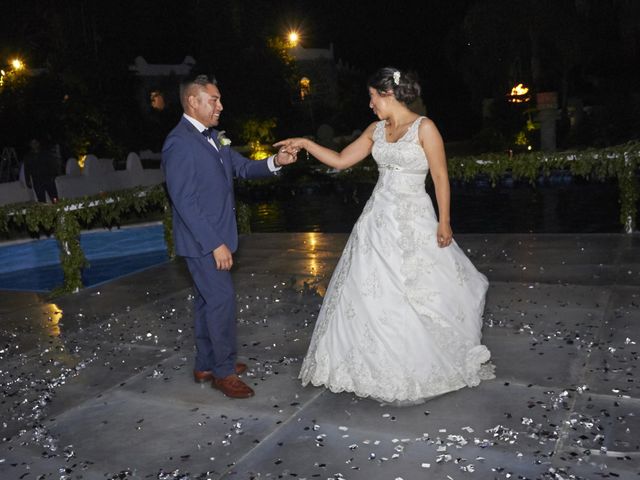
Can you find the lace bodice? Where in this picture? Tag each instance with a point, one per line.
(403, 165)
(404, 154)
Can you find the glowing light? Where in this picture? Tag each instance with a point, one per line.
(519, 94)
(519, 89)
(54, 315)
(258, 150)
(81, 160)
(293, 38)
(17, 64)
(313, 266)
(157, 100)
(305, 87)
(521, 139)
(312, 240)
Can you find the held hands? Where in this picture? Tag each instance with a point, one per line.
(444, 235)
(223, 257)
(291, 146)
(285, 156)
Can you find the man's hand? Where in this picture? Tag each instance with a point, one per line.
(286, 156)
(223, 257)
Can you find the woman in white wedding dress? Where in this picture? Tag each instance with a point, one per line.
(401, 320)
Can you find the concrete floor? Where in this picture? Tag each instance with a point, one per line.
(98, 385)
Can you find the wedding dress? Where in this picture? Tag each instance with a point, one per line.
(401, 320)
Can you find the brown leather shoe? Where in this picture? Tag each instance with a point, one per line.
(241, 368)
(207, 375)
(233, 387)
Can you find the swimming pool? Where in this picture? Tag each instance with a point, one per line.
(35, 265)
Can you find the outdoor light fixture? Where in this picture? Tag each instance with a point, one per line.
(519, 94)
(294, 38)
(157, 100)
(305, 87)
(17, 64)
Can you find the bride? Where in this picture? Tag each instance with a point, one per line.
(401, 320)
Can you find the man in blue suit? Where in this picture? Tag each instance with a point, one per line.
(199, 172)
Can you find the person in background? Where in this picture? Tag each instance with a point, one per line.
(41, 167)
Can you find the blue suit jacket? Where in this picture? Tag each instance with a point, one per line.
(200, 185)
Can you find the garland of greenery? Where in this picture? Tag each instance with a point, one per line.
(620, 162)
(65, 218)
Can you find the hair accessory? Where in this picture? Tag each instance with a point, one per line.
(396, 77)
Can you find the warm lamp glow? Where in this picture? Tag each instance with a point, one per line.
(312, 240)
(54, 315)
(17, 64)
(305, 87)
(259, 151)
(294, 38)
(519, 94)
(313, 266)
(157, 100)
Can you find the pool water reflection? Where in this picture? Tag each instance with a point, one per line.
(570, 207)
(35, 265)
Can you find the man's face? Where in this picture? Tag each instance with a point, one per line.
(208, 106)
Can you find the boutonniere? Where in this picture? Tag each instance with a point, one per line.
(224, 141)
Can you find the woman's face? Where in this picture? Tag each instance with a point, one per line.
(380, 103)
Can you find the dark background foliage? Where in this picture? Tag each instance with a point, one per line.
(463, 50)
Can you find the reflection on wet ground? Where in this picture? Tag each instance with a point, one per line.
(98, 384)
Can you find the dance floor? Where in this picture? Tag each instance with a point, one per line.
(98, 385)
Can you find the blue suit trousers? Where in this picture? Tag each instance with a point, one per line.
(214, 316)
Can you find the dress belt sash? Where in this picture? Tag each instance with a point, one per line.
(396, 168)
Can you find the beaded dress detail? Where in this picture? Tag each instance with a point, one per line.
(401, 320)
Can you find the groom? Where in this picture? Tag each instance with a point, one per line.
(199, 170)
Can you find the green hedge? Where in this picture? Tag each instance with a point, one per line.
(620, 162)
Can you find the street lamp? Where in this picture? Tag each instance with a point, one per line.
(17, 64)
(294, 38)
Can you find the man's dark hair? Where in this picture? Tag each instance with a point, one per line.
(200, 80)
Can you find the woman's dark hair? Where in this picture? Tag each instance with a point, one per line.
(404, 85)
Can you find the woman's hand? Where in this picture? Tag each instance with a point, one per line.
(292, 144)
(444, 235)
